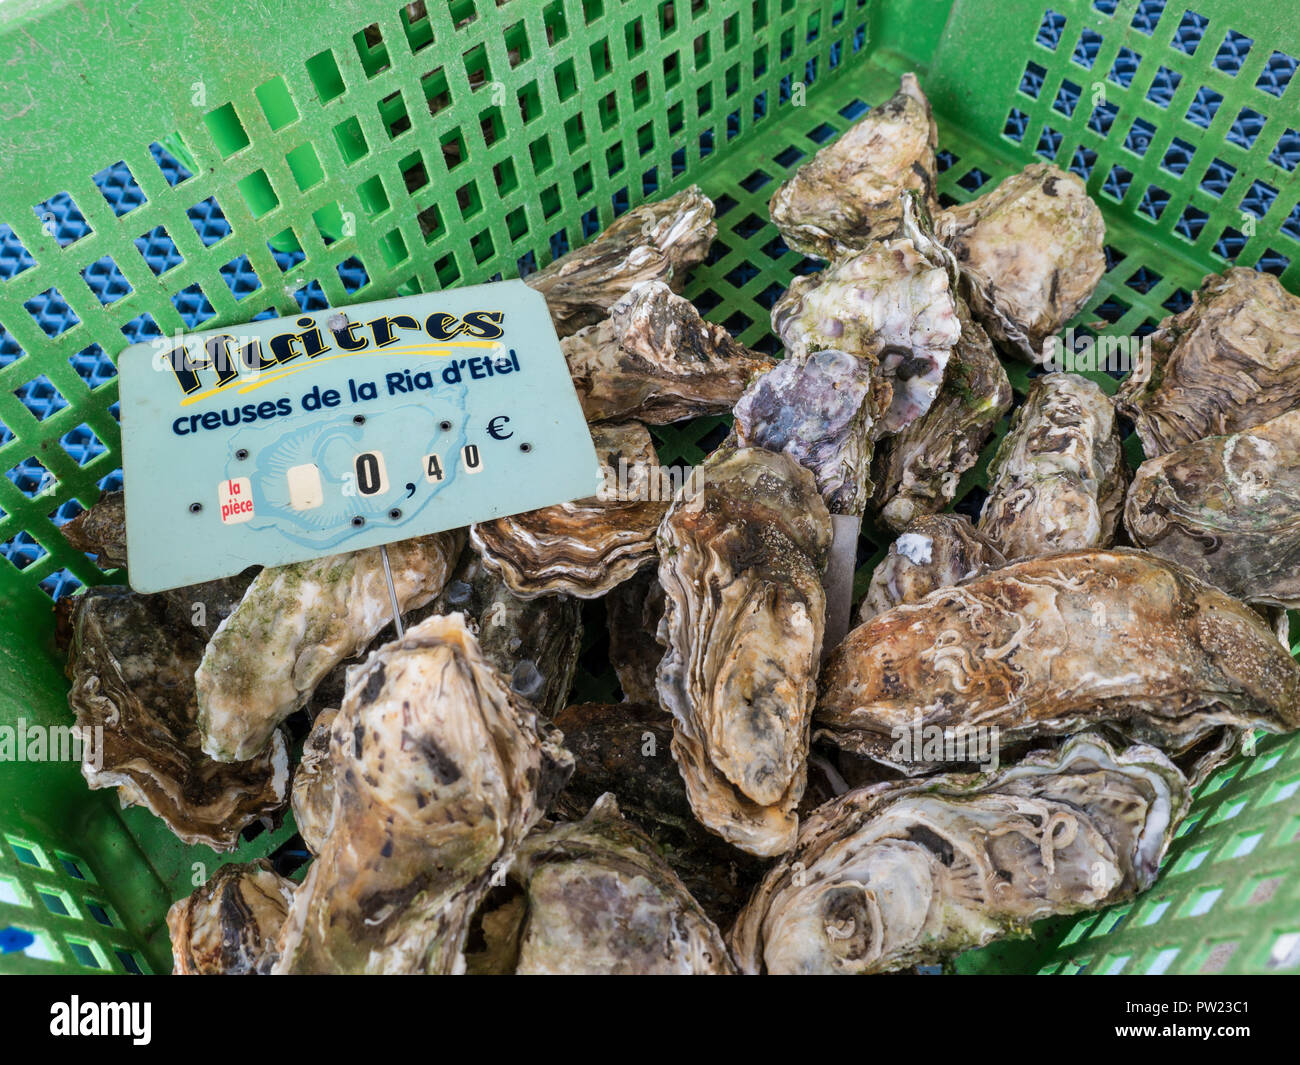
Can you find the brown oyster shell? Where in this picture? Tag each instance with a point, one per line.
(228, 927)
(847, 195)
(1057, 480)
(312, 799)
(740, 563)
(439, 773)
(1227, 508)
(657, 241)
(589, 546)
(1229, 361)
(101, 530)
(655, 360)
(132, 672)
(632, 613)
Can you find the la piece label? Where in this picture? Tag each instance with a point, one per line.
(291, 439)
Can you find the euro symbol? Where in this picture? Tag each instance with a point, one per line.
(494, 430)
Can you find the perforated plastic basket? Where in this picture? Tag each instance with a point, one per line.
(159, 170)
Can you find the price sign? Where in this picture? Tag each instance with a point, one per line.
(286, 440)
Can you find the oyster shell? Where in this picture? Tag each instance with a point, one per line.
(740, 563)
(597, 900)
(819, 410)
(1054, 645)
(1227, 508)
(1030, 253)
(101, 530)
(132, 673)
(625, 748)
(936, 551)
(228, 927)
(895, 875)
(1056, 481)
(847, 195)
(917, 471)
(656, 360)
(587, 547)
(632, 613)
(439, 773)
(295, 624)
(313, 784)
(657, 241)
(1229, 361)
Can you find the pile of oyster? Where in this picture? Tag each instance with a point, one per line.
(1012, 730)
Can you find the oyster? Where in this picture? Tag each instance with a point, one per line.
(1229, 361)
(1054, 645)
(295, 624)
(1057, 479)
(313, 784)
(656, 360)
(101, 530)
(740, 563)
(228, 927)
(895, 875)
(632, 614)
(657, 241)
(533, 642)
(917, 471)
(936, 551)
(1030, 253)
(439, 773)
(847, 195)
(132, 673)
(625, 748)
(595, 899)
(587, 547)
(1227, 508)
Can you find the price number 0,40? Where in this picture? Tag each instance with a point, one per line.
(372, 473)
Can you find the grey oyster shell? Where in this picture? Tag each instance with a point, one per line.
(1057, 480)
(657, 241)
(589, 546)
(741, 559)
(655, 360)
(848, 194)
(918, 470)
(228, 927)
(1054, 645)
(596, 899)
(625, 748)
(1229, 361)
(936, 551)
(312, 799)
(534, 642)
(101, 530)
(895, 875)
(1227, 508)
(632, 613)
(132, 672)
(1031, 252)
(439, 774)
(295, 624)
(818, 409)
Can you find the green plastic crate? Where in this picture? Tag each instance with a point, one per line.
(472, 141)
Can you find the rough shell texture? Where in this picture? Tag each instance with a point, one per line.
(132, 671)
(1227, 508)
(439, 773)
(595, 899)
(313, 784)
(819, 410)
(1030, 253)
(654, 359)
(918, 471)
(1054, 645)
(587, 547)
(624, 748)
(936, 551)
(228, 927)
(633, 611)
(740, 563)
(295, 624)
(895, 875)
(1057, 479)
(847, 195)
(533, 642)
(1230, 361)
(657, 241)
(101, 530)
